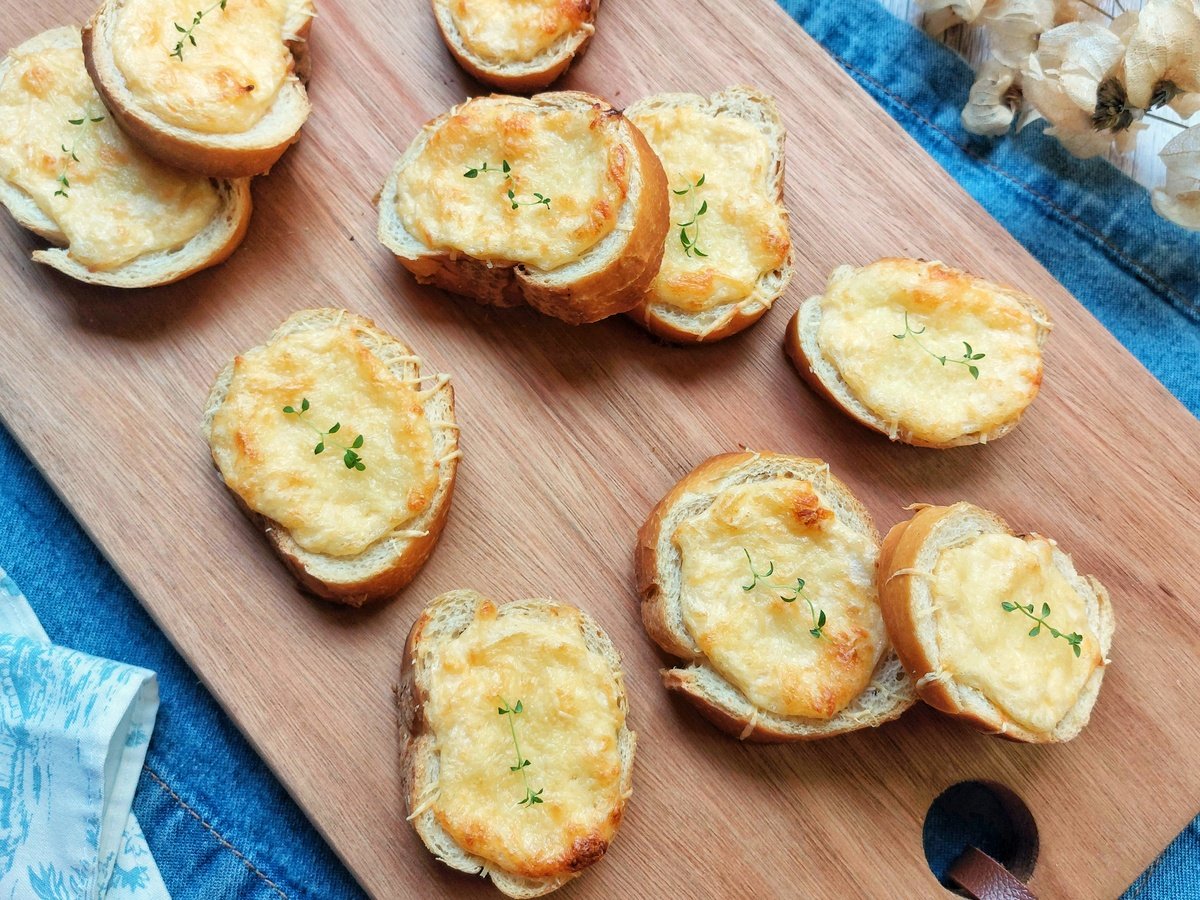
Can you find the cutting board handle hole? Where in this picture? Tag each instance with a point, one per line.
(985, 815)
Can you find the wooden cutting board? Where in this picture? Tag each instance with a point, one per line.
(571, 435)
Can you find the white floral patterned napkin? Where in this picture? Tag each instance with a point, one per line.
(73, 735)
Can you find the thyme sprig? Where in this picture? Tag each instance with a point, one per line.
(818, 620)
(188, 36)
(70, 156)
(818, 615)
(1074, 638)
(531, 796)
(691, 241)
(349, 454)
(486, 168)
(968, 358)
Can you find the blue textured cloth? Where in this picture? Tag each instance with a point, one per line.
(217, 822)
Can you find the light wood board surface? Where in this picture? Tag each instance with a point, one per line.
(571, 435)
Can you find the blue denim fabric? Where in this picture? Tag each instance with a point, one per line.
(220, 825)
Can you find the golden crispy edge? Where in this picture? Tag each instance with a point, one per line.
(528, 82)
(901, 547)
(406, 566)
(613, 288)
(794, 348)
(216, 162)
(415, 729)
(653, 601)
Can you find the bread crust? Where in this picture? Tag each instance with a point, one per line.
(411, 554)
(670, 323)
(901, 613)
(418, 746)
(518, 78)
(612, 285)
(219, 156)
(211, 247)
(694, 682)
(838, 394)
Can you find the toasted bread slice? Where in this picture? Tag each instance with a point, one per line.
(516, 48)
(533, 680)
(486, 202)
(758, 570)
(729, 256)
(960, 592)
(227, 103)
(357, 523)
(53, 182)
(921, 352)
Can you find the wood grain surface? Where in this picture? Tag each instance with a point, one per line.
(571, 435)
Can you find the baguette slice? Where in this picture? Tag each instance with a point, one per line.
(441, 623)
(517, 73)
(742, 104)
(209, 247)
(927, 285)
(659, 575)
(232, 155)
(607, 278)
(393, 561)
(910, 552)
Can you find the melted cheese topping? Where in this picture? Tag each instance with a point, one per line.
(119, 203)
(225, 83)
(902, 383)
(1035, 680)
(568, 728)
(506, 31)
(744, 229)
(759, 643)
(575, 158)
(266, 456)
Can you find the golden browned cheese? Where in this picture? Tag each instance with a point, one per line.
(119, 204)
(1034, 679)
(754, 638)
(902, 379)
(267, 456)
(743, 231)
(571, 156)
(507, 31)
(225, 82)
(567, 728)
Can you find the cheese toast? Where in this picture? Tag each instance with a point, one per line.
(218, 90)
(926, 354)
(728, 256)
(996, 629)
(339, 443)
(516, 757)
(758, 570)
(554, 200)
(69, 174)
(516, 47)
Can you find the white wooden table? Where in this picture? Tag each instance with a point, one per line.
(1143, 164)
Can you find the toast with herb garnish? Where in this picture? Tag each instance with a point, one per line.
(554, 200)
(67, 173)
(996, 629)
(516, 47)
(728, 255)
(926, 354)
(758, 570)
(217, 90)
(516, 757)
(342, 446)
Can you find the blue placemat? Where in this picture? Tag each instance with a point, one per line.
(218, 823)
